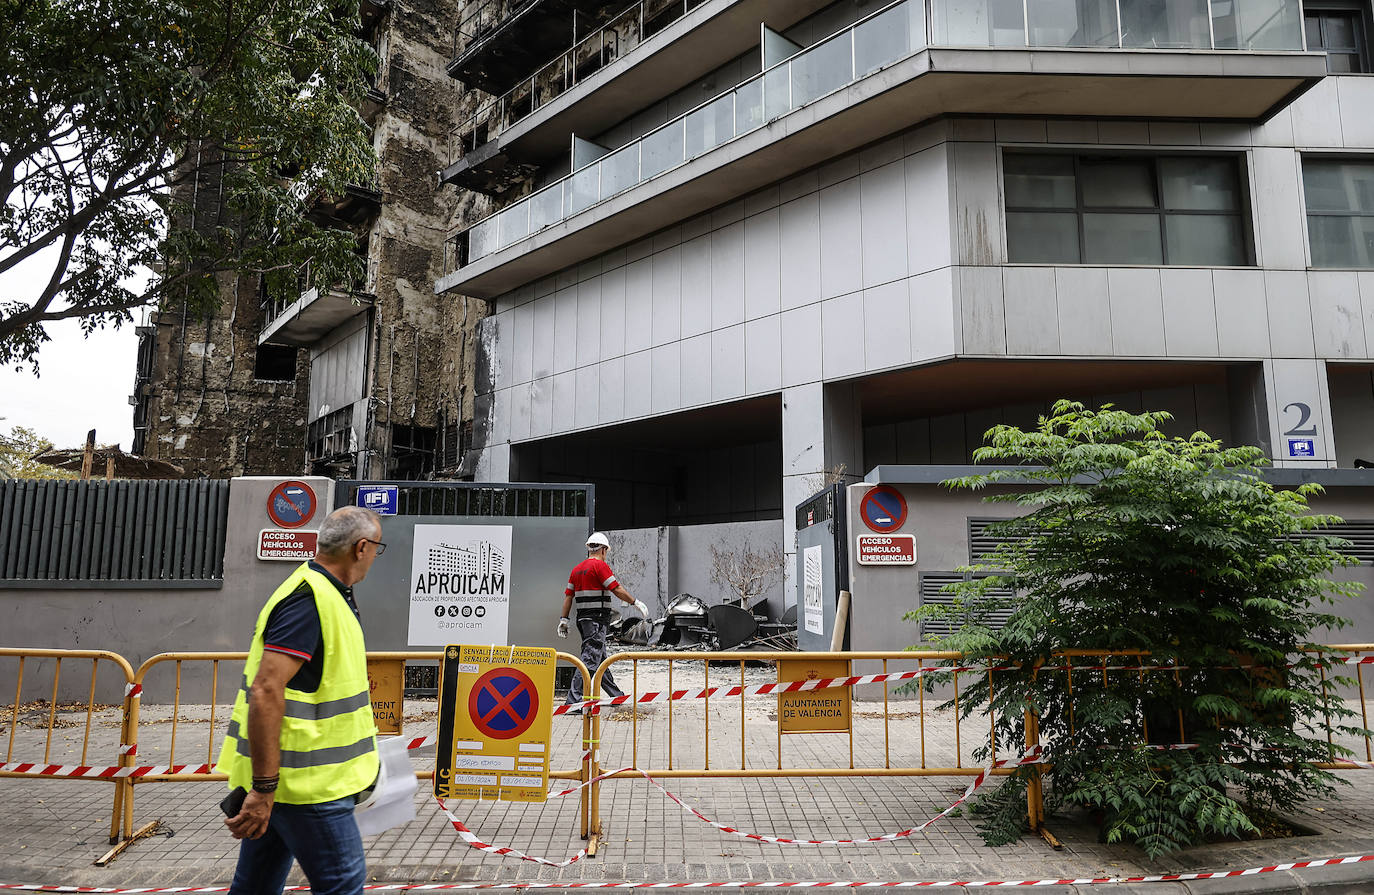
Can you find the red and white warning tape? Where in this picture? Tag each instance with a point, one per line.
(471, 839)
(646, 698)
(84, 772)
(90, 772)
(1030, 757)
(735, 884)
(758, 689)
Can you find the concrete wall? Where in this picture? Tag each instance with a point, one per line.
(939, 518)
(657, 564)
(138, 624)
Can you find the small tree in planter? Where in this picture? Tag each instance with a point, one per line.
(1134, 540)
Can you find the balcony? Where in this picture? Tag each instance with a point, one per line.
(303, 317)
(646, 51)
(355, 207)
(909, 62)
(499, 41)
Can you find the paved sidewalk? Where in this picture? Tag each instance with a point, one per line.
(54, 830)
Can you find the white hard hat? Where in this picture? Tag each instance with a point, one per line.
(597, 539)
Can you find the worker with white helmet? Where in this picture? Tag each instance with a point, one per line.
(591, 585)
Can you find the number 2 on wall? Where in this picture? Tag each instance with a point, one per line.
(1304, 414)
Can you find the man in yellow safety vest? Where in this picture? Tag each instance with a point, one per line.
(301, 743)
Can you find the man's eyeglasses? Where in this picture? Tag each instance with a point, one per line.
(381, 547)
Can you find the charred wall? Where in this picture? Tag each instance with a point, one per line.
(203, 405)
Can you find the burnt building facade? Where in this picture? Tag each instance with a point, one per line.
(368, 379)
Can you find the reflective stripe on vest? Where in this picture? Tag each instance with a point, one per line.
(313, 758)
(318, 711)
(328, 738)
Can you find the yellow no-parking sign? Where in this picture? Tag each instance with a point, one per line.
(495, 715)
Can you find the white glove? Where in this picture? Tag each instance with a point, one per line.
(563, 628)
(641, 608)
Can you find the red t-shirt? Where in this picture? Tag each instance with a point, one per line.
(590, 584)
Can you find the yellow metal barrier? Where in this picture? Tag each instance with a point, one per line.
(918, 764)
(116, 683)
(888, 661)
(1355, 650)
(213, 716)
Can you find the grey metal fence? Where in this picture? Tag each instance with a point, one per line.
(129, 533)
(481, 499)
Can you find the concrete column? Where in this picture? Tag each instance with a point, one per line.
(821, 432)
(1299, 405)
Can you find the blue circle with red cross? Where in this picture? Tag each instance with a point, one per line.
(883, 509)
(291, 504)
(503, 703)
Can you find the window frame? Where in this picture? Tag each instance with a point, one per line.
(1357, 9)
(1159, 210)
(1330, 158)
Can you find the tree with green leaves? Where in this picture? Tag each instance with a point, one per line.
(174, 142)
(1132, 540)
(17, 450)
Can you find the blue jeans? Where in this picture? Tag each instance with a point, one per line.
(323, 838)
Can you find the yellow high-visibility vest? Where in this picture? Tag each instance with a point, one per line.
(328, 738)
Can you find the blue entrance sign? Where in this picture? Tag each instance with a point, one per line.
(380, 499)
(1302, 447)
(883, 509)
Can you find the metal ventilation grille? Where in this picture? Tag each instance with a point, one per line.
(153, 532)
(1359, 532)
(932, 585)
(981, 542)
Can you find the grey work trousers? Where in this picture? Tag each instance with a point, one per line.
(593, 630)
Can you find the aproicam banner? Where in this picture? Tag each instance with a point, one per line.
(460, 585)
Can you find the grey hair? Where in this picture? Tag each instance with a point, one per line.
(345, 527)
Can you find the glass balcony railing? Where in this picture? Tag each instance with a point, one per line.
(619, 35)
(879, 40)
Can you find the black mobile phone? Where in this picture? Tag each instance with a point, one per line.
(233, 803)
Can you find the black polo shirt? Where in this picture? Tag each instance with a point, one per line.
(293, 629)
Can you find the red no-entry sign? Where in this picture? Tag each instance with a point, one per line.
(883, 509)
(291, 504)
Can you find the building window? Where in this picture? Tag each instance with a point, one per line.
(1125, 209)
(412, 452)
(1340, 211)
(1339, 30)
(329, 442)
(275, 363)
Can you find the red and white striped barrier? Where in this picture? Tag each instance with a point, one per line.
(734, 884)
(34, 769)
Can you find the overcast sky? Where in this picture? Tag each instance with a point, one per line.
(85, 382)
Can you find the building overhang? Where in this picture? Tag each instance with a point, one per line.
(313, 316)
(934, 474)
(1131, 84)
(706, 38)
(512, 45)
